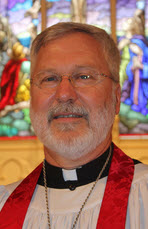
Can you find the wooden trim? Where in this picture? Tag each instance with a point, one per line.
(113, 19)
(43, 14)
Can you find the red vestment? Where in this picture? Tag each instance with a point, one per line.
(114, 204)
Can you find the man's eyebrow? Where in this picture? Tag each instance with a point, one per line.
(52, 70)
(83, 67)
(75, 68)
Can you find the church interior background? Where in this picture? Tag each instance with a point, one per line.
(20, 22)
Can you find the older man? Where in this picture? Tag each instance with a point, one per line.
(85, 181)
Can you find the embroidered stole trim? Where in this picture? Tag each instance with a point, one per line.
(115, 200)
(14, 211)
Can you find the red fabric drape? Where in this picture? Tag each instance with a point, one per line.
(9, 82)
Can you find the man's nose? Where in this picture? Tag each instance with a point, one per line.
(65, 91)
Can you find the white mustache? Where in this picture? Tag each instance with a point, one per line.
(66, 108)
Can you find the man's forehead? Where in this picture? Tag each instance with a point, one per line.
(76, 38)
(79, 48)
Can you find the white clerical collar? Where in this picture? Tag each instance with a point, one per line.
(70, 175)
(64, 178)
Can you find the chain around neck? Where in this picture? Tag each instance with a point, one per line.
(87, 197)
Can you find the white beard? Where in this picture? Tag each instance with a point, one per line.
(67, 139)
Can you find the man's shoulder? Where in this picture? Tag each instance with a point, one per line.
(140, 173)
(5, 192)
(10, 187)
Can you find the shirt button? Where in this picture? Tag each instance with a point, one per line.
(72, 187)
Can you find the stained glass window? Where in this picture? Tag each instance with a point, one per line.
(98, 14)
(19, 23)
(133, 45)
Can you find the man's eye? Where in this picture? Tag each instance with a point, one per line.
(84, 77)
(49, 79)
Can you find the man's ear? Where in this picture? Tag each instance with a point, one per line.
(118, 97)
